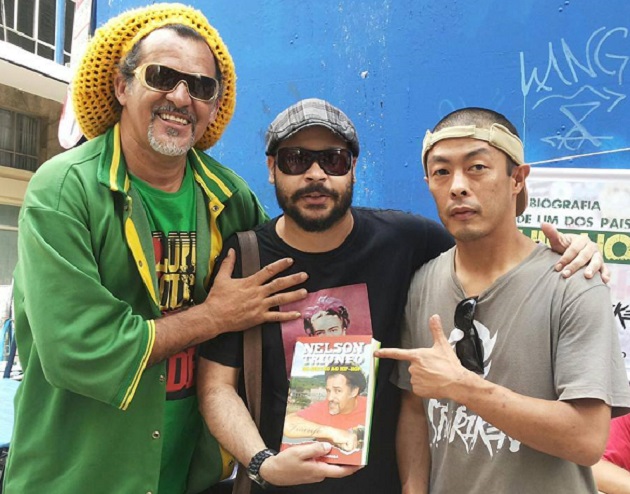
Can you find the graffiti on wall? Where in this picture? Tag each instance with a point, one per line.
(579, 82)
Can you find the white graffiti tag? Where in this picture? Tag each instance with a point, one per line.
(579, 85)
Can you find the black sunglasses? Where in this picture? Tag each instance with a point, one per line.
(295, 161)
(165, 79)
(469, 349)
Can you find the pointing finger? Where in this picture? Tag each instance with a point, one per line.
(394, 353)
(435, 325)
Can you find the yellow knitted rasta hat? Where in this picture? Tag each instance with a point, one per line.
(93, 95)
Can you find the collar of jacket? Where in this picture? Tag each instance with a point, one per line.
(112, 171)
(217, 189)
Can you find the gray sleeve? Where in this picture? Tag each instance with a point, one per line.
(588, 361)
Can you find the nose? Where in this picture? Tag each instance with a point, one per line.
(459, 184)
(180, 95)
(315, 172)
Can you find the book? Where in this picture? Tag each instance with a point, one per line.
(349, 306)
(331, 395)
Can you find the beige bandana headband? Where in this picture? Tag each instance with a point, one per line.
(497, 136)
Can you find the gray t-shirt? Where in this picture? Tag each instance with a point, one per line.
(544, 336)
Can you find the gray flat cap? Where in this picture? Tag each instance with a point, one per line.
(308, 113)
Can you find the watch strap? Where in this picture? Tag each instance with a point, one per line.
(253, 469)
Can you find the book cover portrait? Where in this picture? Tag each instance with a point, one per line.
(331, 394)
(337, 311)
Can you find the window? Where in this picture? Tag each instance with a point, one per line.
(19, 140)
(8, 244)
(30, 24)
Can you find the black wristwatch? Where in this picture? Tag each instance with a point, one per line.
(253, 469)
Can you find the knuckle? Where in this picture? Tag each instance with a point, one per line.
(274, 317)
(272, 286)
(274, 301)
(269, 269)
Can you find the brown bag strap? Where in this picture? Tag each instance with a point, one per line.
(252, 352)
(252, 338)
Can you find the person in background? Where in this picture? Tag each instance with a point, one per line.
(612, 471)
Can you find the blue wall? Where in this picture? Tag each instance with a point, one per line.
(557, 69)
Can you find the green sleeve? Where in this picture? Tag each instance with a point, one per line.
(88, 341)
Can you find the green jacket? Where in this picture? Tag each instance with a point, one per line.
(88, 413)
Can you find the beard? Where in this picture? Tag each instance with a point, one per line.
(342, 202)
(333, 408)
(169, 146)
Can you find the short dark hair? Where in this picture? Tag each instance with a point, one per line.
(482, 118)
(132, 60)
(354, 378)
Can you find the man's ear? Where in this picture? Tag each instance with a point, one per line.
(215, 110)
(354, 392)
(354, 170)
(519, 174)
(271, 165)
(121, 88)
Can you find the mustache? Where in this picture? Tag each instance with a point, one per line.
(314, 188)
(178, 111)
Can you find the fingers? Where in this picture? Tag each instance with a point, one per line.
(576, 250)
(573, 255)
(435, 325)
(606, 274)
(311, 451)
(280, 316)
(227, 266)
(580, 254)
(271, 270)
(296, 465)
(274, 289)
(593, 264)
(284, 282)
(557, 241)
(394, 353)
(337, 471)
(315, 450)
(280, 284)
(596, 264)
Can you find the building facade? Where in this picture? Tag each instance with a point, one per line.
(35, 38)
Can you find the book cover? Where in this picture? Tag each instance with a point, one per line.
(333, 311)
(331, 395)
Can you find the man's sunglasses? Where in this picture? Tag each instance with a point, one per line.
(165, 79)
(295, 161)
(469, 349)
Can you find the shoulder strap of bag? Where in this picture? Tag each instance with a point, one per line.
(252, 338)
(252, 353)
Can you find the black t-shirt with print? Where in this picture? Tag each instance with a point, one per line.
(383, 251)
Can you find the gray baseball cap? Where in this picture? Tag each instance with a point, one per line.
(308, 113)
